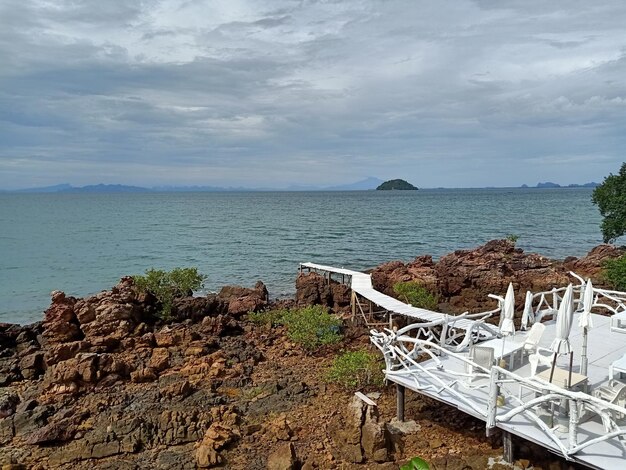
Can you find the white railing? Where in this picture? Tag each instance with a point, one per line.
(545, 304)
(419, 362)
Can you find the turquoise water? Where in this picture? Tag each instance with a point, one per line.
(83, 243)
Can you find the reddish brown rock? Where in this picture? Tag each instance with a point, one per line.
(312, 288)
(242, 300)
(591, 265)
(60, 323)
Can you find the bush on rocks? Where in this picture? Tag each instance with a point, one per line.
(355, 369)
(168, 285)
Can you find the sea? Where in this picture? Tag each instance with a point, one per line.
(83, 243)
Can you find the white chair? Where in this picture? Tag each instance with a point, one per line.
(531, 343)
(482, 356)
(538, 358)
(614, 392)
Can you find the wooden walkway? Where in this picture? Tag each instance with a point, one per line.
(361, 283)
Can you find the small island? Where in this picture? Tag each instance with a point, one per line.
(393, 185)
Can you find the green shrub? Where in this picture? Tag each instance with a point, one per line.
(267, 318)
(615, 272)
(312, 326)
(355, 369)
(415, 294)
(512, 237)
(416, 463)
(167, 285)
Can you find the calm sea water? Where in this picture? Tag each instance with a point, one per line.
(83, 243)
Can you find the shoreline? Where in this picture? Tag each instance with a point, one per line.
(102, 378)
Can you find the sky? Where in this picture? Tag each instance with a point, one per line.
(275, 93)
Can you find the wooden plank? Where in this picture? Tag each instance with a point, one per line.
(365, 399)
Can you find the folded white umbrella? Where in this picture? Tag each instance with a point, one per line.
(507, 327)
(528, 310)
(564, 317)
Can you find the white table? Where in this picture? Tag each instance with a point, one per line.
(618, 366)
(561, 378)
(511, 347)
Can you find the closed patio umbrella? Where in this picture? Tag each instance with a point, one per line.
(564, 317)
(585, 322)
(507, 327)
(528, 310)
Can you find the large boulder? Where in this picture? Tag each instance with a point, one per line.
(314, 289)
(242, 300)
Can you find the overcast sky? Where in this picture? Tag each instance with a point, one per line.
(278, 92)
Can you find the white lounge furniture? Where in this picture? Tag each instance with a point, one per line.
(614, 392)
(538, 358)
(618, 367)
(482, 356)
(618, 322)
(531, 343)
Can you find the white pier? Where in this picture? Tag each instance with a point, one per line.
(572, 402)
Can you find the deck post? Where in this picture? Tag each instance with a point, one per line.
(353, 305)
(573, 424)
(507, 445)
(400, 401)
(494, 391)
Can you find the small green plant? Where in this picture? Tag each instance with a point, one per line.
(615, 272)
(355, 369)
(167, 285)
(267, 318)
(415, 294)
(312, 327)
(416, 463)
(512, 237)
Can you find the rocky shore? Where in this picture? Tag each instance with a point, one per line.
(102, 381)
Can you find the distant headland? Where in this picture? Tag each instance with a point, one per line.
(395, 185)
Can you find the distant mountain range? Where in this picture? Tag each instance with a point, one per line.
(549, 184)
(363, 185)
(366, 184)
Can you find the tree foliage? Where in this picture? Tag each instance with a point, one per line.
(615, 272)
(610, 197)
(415, 294)
(168, 285)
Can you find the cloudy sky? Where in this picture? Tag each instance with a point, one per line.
(280, 92)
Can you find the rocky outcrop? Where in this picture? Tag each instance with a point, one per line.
(463, 279)
(242, 300)
(591, 265)
(312, 288)
(358, 436)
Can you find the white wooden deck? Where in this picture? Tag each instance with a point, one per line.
(604, 347)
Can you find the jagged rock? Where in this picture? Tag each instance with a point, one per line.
(282, 457)
(591, 264)
(218, 436)
(60, 323)
(32, 365)
(373, 439)
(160, 359)
(280, 428)
(145, 374)
(345, 433)
(8, 402)
(196, 308)
(242, 300)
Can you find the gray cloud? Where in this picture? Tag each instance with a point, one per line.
(283, 92)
